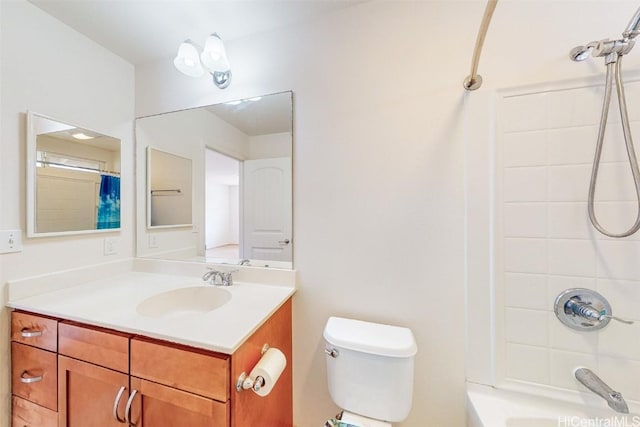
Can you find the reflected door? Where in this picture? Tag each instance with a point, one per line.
(267, 209)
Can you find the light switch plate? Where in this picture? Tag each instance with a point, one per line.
(111, 246)
(10, 241)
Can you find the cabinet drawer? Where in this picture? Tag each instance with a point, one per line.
(34, 330)
(27, 414)
(34, 375)
(199, 372)
(94, 345)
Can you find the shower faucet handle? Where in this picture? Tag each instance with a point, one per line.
(585, 310)
(619, 319)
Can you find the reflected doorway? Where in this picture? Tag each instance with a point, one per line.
(222, 206)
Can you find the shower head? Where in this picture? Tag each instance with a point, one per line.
(633, 28)
(580, 53)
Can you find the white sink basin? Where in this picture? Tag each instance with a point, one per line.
(182, 301)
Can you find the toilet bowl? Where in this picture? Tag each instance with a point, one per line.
(370, 370)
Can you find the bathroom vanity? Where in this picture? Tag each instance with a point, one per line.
(112, 366)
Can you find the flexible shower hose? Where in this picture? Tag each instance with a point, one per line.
(631, 155)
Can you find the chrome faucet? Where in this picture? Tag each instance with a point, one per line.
(211, 276)
(226, 277)
(595, 384)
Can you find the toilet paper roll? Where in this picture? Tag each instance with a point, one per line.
(269, 367)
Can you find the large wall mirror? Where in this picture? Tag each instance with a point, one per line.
(239, 157)
(73, 179)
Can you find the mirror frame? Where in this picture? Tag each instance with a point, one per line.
(31, 180)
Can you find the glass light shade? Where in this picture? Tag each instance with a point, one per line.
(188, 60)
(214, 55)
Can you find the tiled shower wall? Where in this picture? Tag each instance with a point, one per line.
(546, 243)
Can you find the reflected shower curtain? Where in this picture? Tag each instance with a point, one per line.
(109, 202)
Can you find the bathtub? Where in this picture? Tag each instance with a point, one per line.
(490, 407)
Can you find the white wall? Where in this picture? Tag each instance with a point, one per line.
(222, 174)
(270, 146)
(5, 376)
(378, 181)
(219, 221)
(48, 68)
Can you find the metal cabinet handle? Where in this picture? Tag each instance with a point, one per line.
(127, 411)
(284, 242)
(28, 379)
(30, 333)
(116, 402)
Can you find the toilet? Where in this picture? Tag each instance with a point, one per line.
(369, 371)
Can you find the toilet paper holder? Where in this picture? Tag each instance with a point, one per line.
(245, 382)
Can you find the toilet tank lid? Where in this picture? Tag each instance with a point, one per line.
(372, 338)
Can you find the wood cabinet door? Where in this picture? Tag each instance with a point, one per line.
(88, 394)
(156, 405)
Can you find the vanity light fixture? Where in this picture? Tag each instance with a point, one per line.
(213, 57)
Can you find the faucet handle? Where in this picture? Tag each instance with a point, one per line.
(227, 277)
(619, 319)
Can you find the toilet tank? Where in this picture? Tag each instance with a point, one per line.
(370, 368)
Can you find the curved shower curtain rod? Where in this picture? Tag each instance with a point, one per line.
(474, 80)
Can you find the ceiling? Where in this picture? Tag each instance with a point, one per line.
(143, 31)
(267, 115)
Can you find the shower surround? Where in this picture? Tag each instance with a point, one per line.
(544, 243)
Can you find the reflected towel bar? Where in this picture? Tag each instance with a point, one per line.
(474, 80)
(153, 192)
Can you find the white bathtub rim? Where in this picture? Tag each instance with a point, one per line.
(583, 396)
(490, 406)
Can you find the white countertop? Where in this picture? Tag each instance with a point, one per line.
(111, 303)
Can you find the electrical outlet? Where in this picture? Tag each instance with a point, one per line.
(10, 241)
(111, 246)
(153, 241)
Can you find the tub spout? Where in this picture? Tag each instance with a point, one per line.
(595, 384)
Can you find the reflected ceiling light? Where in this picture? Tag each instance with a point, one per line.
(82, 136)
(240, 101)
(213, 57)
